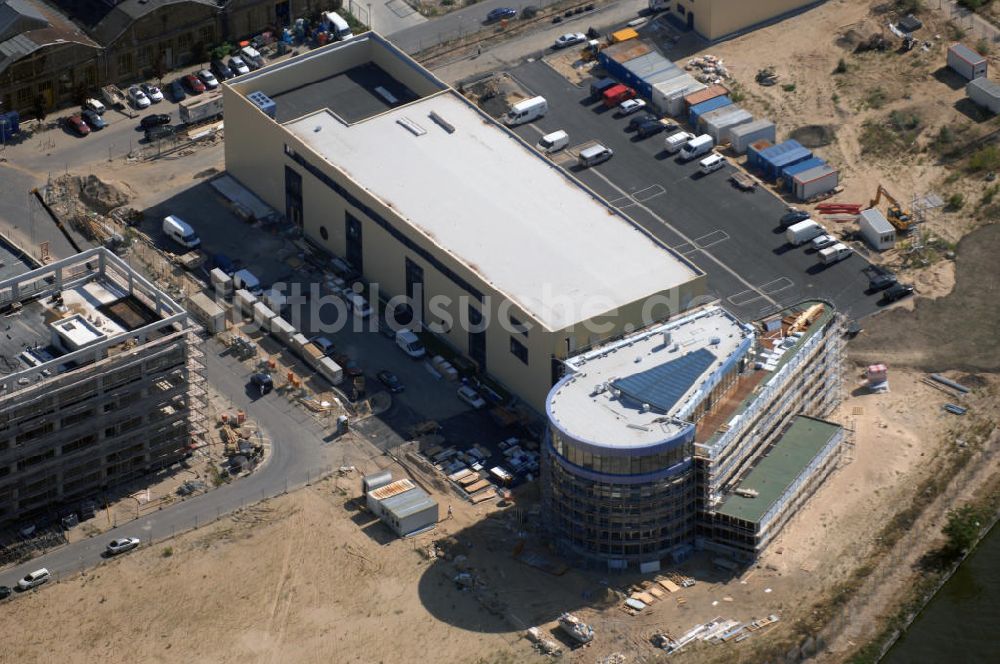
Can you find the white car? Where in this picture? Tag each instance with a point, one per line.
(208, 78)
(138, 97)
(471, 397)
(153, 92)
(122, 545)
(238, 66)
(569, 39)
(823, 241)
(94, 105)
(630, 106)
(36, 578)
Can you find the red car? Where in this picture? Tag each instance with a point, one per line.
(77, 125)
(617, 94)
(194, 84)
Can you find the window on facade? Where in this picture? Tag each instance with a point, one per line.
(519, 350)
(206, 34)
(517, 326)
(125, 63)
(323, 233)
(23, 97)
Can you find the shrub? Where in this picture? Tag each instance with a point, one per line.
(955, 202)
(985, 159)
(167, 551)
(788, 87)
(841, 67)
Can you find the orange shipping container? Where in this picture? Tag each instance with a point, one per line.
(710, 92)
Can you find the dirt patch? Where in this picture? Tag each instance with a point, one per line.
(495, 94)
(956, 332)
(814, 136)
(90, 191)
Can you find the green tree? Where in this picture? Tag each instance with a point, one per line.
(962, 528)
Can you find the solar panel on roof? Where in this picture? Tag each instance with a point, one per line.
(662, 386)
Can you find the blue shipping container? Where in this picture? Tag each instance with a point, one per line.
(10, 125)
(788, 172)
(777, 157)
(753, 154)
(704, 107)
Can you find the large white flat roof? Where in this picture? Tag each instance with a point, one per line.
(499, 208)
(675, 364)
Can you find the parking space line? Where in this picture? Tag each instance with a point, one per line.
(688, 248)
(652, 191)
(744, 298)
(776, 286)
(716, 237)
(622, 202)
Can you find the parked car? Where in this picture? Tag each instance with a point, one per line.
(193, 84)
(569, 39)
(390, 380)
(651, 128)
(5, 592)
(637, 120)
(238, 67)
(76, 124)
(177, 92)
(823, 241)
(155, 120)
(222, 70)
(630, 106)
(350, 367)
(94, 105)
(897, 292)
(263, 382)
(471, 397)
(324, 344)
(208, 78)
(793, 217)
(159, 133)
(36, 578)
(94, 119)
(121, 545)
(154, 93)
(138, 98)
(501, 13)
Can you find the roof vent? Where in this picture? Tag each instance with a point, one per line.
(645, 407)
(667, 338)
(441, 122)
(638, 359)
(715, 341)
(412, 126)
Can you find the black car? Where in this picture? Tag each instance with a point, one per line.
(793, 217)
(177, 92)
(501, 13)
(263, 382)
(5, 592)
(879, 278)
(159, 133)
(155, 120)
(94, 119)
(638, 120)
(390, 380)
(897, 292)
(650, 128)
(222, 70)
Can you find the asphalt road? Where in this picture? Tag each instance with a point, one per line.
(299, 454)
(732, 235)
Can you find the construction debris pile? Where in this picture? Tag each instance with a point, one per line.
(578, 630)
(711, 70)
(766, 77)
(715, 631)
(91, 207)
(641, 595)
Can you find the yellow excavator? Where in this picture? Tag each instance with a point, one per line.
(897, 216)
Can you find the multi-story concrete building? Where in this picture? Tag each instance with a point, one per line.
(500, 252)
(100, 382)
(668, 439)
(718, 19)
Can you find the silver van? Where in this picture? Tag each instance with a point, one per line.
(594, 155)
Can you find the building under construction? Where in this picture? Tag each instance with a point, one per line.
(101, 383)
(651, 436)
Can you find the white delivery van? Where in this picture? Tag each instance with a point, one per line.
(246, 280)
(831, 255)
(338, 26)
(251, 57)
(553, 142)
(410, 343)
(696, 147)
(675, 142)
(802, 232)
(526, 111)
(593, 155)
(711, 163)
(180, 232)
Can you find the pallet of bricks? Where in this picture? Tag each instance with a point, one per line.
(476, 488)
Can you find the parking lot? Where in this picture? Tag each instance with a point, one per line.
(732, 235)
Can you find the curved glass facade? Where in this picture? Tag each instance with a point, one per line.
(620, 461)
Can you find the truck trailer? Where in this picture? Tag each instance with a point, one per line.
(200, 109)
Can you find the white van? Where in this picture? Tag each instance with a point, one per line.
(526, 111)
(593, 155)
(711, 163)
(675, 142)
(251, 57)
(831, 255)
(802, 232)
(696, 147)
(94, 105)
(36, 578)
(410, 343)
(338, 26)
(358, 305)
(553, 142)
(180, 232)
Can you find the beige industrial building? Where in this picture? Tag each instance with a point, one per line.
(510, 260)
(100, 383)
(718, 19)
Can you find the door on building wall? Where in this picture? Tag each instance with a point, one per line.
(355, 255)
(690, 19)
(477, 339)
(415, 290)
(282, 13)
(293, 196)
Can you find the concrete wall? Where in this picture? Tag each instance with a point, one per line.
(715, 19)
